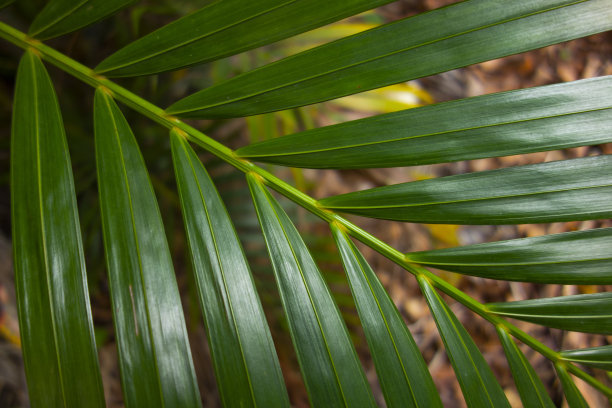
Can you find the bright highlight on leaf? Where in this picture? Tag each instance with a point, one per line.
(246, 366)
(530, 120)
(330, 367)
(581, 257)
(567, 190)
(51, 283)
(154, 353)
(429, 43)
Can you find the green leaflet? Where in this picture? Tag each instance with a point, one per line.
(332, 372)
(530, 120)
(532, 391)
(246, 366)
(64, 16)
(447, 38)
(57, 335)
(567, 190)
(226, 28)
(583, 313)
(581, 257)
(600, 357)
(4, 3)
(154, 353)
(572, 395)
(478, 384)
(402, 372)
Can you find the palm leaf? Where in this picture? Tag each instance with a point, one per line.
(247, 369)
(54, 314)
(530, 120)
(407, 49)
(64, 16)
(566, 190)
(583, 313)
(154, 353)
(600, 357)
(581, 257)
(226, 28)
(329, 363)
(403, 374)
(572, 395)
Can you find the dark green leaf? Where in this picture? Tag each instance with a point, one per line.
(332, 372)
(4, 3)
(600, 357)
(54, 314)
(154, 353)
(572, 394)
(246, 366)
(581, 257)
(447, 38)
(226, 28)
(568, 190)
(64, 16)
(479, 386)
(402, 372)
(583, 313)
(545, 118)
(532, 391)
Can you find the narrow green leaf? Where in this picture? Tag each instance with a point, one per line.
(450, 37)
(4, 3)
(479, 386)
(402, 372)
(532, 391)
(572, 394)
(600, 357)
(61, 17)
(566, 190)
(54, 314)
(583, 313)
(226, 28)
(154, 353)
(332, 372)
(581, 257)
(246, 366)
(545, 118)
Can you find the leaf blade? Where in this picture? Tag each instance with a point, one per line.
(583, 313)
(580, 257)
(61, 17)
(247, 368)
(154, 353)
(544, 192)
(600, 357)
(478, 384)
(516, 122)
(415, 47)
(572, 394)
(330, 367)
(225, 28)
(402, 372)
(57, 336)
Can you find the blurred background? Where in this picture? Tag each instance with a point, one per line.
(569, 61)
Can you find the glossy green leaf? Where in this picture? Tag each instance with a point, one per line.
(567, 190)
(600, 357)
(583, 313)
(246, 366)
(572, 394)
(581, 257)
(226, 28)
(478, 384)
(545, 118)
(451, 37)
(154, 353)
(60, 357)
(4, 3)
(64, 16)
(532, 391)
(332, 372)
(402, 372)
